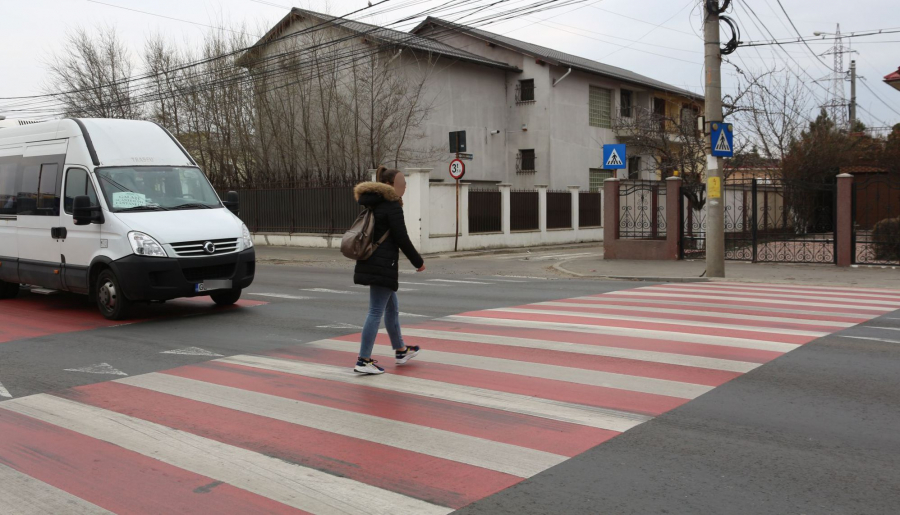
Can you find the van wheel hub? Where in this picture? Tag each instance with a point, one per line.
(107, 295)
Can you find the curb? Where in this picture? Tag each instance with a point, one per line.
(558, 267)
(516, 250)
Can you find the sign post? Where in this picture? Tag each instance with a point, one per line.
(457, 171)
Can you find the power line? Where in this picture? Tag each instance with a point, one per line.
(168, 17)
(790, 41)
(786, 15)
(865, 85)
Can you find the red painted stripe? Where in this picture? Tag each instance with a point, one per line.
(604, 340)
(630, 367)
(780, 295)
(495, 425)
(627, 324)
(436, 480)
(649, 313)
(647, 307)
(114, 478)
(888, 294)
(762, 303)
(601, 397)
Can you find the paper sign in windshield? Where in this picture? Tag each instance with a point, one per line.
(126, 199)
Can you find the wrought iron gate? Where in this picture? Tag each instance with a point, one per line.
(767, 221)
(876, 219)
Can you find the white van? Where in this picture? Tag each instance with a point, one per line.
(117, 210)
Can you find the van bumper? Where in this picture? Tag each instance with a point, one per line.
(147, 278)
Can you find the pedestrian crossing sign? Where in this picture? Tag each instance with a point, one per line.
(722, 139)
(614, 157)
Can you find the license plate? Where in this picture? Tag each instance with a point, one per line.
(222, 284)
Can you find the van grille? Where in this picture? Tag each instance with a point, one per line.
(202, 273)
(195, 248)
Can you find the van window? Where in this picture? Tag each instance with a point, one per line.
(156, 188)
(28, 191)
(48, 190)
(9, 188)
(77, 183)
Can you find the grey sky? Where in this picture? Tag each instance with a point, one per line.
(668, 44)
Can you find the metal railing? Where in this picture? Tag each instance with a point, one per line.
(327, 210)
(485, 215)
(559, 210)
(524, 211)
(590, 209)
(642, 209)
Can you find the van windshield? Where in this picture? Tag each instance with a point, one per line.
(156, 188)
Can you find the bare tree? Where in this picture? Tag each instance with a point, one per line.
(93, 76)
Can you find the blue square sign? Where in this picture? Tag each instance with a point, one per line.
(614, 157)
(722, 138)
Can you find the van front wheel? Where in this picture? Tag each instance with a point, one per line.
(8, 290)
(226, 298)
(109, 297)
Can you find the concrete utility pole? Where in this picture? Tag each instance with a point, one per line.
(852, 94)
(715, 210)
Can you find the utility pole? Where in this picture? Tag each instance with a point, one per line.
(852, 95)
(715, 210)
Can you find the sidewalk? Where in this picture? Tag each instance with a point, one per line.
(688, 271)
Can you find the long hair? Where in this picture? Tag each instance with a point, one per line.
(386, 175)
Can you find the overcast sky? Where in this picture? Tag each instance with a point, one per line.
(657, 38)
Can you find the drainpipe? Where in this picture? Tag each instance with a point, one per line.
(557, 81)
(395, 56)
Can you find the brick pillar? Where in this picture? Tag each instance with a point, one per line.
(505, 190)
(673, 218)
(610, 217)
(843, 233)
(576, 223)
(542, 209)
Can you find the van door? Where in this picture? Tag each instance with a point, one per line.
(9, 247)
(38, 221)
(80, 242)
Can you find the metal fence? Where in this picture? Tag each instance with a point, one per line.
(327, 210)
(559, 210)
(524, 212)
(876, 219)
(642, 209)
(485, 214)
(590, 209)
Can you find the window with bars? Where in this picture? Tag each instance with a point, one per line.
(626, 97)
(525, 91)
(596, 176)
(634, 168)
(599, 107)
(526, 161)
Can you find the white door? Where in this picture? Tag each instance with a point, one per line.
(37, 222)
(80, 242)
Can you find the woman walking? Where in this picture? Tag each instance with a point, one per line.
(381, 271)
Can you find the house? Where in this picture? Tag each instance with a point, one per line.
(531, 115)
(893, 79)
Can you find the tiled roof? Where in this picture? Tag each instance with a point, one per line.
(560, 58)
(383, 35)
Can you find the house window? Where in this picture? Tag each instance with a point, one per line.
(625, 103)
(634, 168)
(689, 115)
(659, 113)
(599, 100)
(525, 163)
(596, 178)
(525, 91)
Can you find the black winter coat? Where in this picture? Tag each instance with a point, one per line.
(382, 268)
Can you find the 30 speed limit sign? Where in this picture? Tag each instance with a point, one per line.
(457, 169)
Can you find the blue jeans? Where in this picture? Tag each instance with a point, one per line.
(382, 303)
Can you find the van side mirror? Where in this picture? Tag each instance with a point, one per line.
(233, 202)
(85, 214)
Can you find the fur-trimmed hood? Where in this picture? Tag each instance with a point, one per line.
(368, 193)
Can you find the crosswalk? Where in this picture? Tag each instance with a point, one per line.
(496, 397)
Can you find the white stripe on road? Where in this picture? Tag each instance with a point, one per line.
(420, 284)
(653, 303)
(326, 290)
(707, 314)
(650, 320)
(591, 350)
(4, 392)
(702, 339)
(520, 277)
(523, 404)
(495, 280)
(829, 293)
(300, 487)
(25, 495)
(552, 372)
(850, 302)
(502, 457)
(879, 327)
(672, 294)
(869, 338)
(775, 286)
(282, 296)
(456, 281)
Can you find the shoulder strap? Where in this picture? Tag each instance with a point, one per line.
(381, 240)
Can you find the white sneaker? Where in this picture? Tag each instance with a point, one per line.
(410, 352)
(367, 366)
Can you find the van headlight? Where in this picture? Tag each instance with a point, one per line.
(144, 245)
(245, 237)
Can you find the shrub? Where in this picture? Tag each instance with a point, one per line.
(886, 239)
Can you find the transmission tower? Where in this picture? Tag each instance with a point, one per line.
(837, 104)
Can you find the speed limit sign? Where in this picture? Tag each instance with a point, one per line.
(457, 169)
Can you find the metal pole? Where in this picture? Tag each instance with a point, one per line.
(753, 218)
(715, 213)
(852, 95)
(456, 236)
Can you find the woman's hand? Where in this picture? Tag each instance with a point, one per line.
(421, 269)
